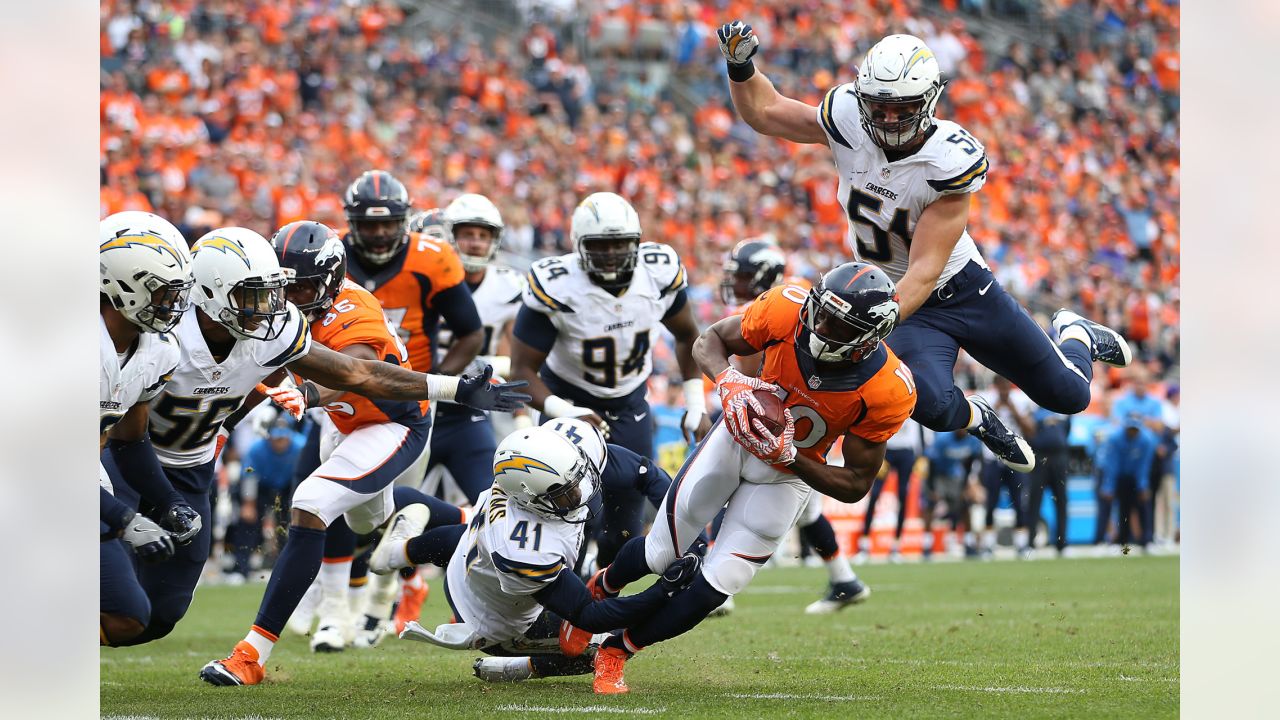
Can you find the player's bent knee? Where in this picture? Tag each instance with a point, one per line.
(120, 629)
(307, 519)
(1070, 399)
(658, 555)
(728, 574)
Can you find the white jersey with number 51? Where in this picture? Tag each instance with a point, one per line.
(884, 199)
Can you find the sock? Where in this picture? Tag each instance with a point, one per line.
(297, 567)
(559, 665)
(335, 576)
(628, 566)
(1076, 347)
(838, 570)
(678, 616)
(442, 513)
(262, 642)
(339, 540)
(975, 416)
(822, 537)
(989, 539)
(434, 547)
(382, 593)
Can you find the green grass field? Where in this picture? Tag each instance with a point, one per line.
(1095, 638)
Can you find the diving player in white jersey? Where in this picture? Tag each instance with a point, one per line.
(583, 337)
(906, 180)
(243, 332)
(463, 440)
(509, 576)
(145, 282)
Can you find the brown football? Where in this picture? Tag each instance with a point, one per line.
(772, 418)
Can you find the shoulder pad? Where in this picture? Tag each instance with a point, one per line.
(509, 280)
(664, 266)
(544, 281)
(539, 567)
(290, 345)
(835, 116)
(958, 163)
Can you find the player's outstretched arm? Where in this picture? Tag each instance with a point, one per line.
(385, 381)
(695, 424)
(569, 598)
(758, 102)
(936, 234)
(862, 461)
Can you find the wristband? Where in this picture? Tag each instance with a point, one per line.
(441, 387)
(310, 394)
(743, 72)
(694, 398)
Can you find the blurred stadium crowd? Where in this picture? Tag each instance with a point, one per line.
(257, 114)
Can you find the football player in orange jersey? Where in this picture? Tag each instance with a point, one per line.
(753, 267)
(824, 357)
(366, 445)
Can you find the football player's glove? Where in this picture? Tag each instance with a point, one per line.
(289, 399)
(738, 42)
(182, 521)
(735, 396)
(680, 574)
(151, 542)
(476, 391)
(774, 449)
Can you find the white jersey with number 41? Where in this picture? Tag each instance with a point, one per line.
(884, 199)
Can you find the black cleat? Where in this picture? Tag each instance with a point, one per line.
(839, 596)
(1007, 445)
(1106, 345)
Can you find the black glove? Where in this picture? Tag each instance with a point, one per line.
(475, 391)
(151, 543)
(680, 574)
(183, 521)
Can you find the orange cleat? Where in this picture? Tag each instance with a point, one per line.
(573, 641)
(412, 596)
(609, 664)
(596, 586)
(241, 668)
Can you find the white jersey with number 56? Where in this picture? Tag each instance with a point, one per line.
(884, 199)
(603, 341)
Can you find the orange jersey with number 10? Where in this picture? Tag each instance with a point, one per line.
(356, 319)
(407, 290)
(870, 400)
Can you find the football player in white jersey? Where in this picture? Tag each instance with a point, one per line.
(583, 337)
(243, 332)
(906, 179)
(463, 440)
(145, 283)
(509, 576)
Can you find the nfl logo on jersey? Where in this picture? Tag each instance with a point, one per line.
(814, 382)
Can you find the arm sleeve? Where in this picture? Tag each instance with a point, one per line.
(535, 329)
(140, 468)
(112, 512)
(569, 598)
(458, 309)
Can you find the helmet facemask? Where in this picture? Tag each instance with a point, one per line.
(257, 308)
(897, 122)
(475, 261)
(845, 338)
(611, 266)
(169, 300)
(570, 501)
(378, 238)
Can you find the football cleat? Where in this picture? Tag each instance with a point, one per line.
(725, 608)
(573, 640)
(596, 586)
(371, 632)
(839, 596)
(241, 668)
(1105, 345)
(1008, 446)
(406, 524)
(412, 597)
(608, 676)
(503, 669)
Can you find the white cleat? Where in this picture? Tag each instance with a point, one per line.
(405, 525)
(370, 633)
(839, 596)
(503, 669)
(305, 614)
(334, 626)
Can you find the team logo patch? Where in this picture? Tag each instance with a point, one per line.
(215, 375)
(148, 240)
(884, 173)
(332, 249)
(225, 245)
(521, 463)
(814, 382)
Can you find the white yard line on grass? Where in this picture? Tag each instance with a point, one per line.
(1036, 690)
(789, 696)
(584, 709)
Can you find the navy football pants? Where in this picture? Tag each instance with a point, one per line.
(972, 311)
(465, 444)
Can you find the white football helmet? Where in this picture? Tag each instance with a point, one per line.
(545, 473)
(899, 71)
(584, 435)
(145, 269)
(473, 209)
(240, 284)
(605, 218)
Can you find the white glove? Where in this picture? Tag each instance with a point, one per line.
(151, 542)
(695, 409)
(738, 42)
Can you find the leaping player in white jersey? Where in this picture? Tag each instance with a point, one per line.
(905, 181)
(583, 340)
(145, 283)
(463, 441)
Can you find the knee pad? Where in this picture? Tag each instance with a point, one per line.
(728, 573)
(658, 555)
(812, 511)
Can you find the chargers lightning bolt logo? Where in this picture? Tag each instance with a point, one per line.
(521, 463)
(226, 245)
(127, 238)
